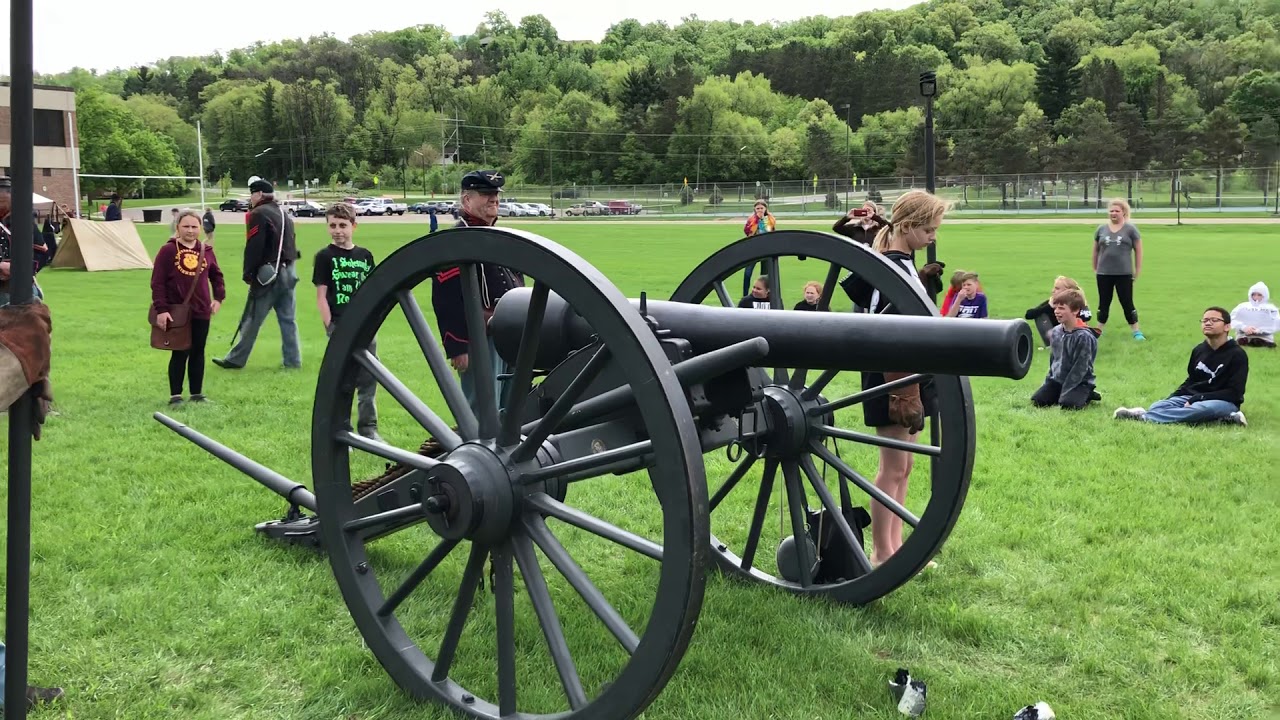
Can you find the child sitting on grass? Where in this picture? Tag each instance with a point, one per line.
(812, 296)
(1070, 381)
(759, 296)
(970, 302)
(1256, 321)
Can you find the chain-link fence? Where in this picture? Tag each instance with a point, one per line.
(1189, 190)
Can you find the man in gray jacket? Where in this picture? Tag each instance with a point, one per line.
(1072, 349)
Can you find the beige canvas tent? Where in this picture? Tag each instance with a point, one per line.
(101, 246)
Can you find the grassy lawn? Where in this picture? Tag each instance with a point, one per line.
(1112, 569)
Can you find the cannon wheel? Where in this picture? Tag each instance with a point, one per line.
(499, 487)
(950, 447)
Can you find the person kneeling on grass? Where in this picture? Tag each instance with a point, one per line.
(1216, 376)
(1072, 350)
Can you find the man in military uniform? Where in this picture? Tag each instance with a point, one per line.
(479, 207)
(271, 273)
(6, 242)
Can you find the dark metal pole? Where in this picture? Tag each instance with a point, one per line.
(22, 225)
(929, 161)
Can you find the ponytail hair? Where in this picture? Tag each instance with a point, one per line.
(911, 209)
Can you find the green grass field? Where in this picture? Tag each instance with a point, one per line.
(1114, 570)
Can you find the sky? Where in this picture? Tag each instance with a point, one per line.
(94, 35)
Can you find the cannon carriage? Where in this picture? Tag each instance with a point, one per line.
(608, 395)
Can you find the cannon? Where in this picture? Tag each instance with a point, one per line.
(593, 457)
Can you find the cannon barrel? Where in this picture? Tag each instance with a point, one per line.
(812, 340)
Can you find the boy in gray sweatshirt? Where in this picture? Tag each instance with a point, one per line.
(1072, 349)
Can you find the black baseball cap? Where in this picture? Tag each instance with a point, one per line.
(485, 181)
(260, 185)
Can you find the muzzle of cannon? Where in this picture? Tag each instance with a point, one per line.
(594, 474)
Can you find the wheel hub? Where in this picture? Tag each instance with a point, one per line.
(788, 424)
(470, 496)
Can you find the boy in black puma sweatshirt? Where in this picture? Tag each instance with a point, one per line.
(1216, 376)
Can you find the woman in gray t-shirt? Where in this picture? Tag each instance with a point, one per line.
(1117, 262)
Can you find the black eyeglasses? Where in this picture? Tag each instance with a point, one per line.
(1210, 321)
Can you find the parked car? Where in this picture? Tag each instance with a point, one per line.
(303, 208)
(591, 207)
(370, 206)
(540, 209)
(234, 205)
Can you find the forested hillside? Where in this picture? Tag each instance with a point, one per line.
(1024, 86)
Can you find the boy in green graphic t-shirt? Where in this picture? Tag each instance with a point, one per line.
(340, 268)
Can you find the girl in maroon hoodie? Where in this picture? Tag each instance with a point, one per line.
(182, 261)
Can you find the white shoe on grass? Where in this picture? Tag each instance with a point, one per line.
(1237, 417)
(1129, 413)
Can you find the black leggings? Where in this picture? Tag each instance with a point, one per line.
(192, 361)
(1122, 285)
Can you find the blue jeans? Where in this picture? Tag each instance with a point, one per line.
(468, 379)
(1175, 410)
(278, 296)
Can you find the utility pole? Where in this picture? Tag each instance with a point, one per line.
(848, 160)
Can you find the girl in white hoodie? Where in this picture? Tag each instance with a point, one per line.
(1256, 321)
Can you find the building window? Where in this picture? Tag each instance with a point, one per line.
(50, 128)
(47, 172)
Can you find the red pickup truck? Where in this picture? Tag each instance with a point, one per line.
(622, 207)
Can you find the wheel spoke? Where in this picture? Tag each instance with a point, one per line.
(775, 302)
(595, 600)
(819, 385)
(723, 294)
(876, 493)
(762, 507)
(797, 506)
(440, 370)
(420, 573)
(829, 287)
(556, 509)
(540, 598)
(834, 513)
(480, 362)
(382, 518)
(461, 608)
(383, 450)
(425, 416)
(505, 610)
(584, 466)
(797, 379)
(538, 433)
(521, 381)
(858, 397)
(864, 438)
(732, 480)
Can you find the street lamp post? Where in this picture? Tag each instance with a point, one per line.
(420, 154)
(929, 88)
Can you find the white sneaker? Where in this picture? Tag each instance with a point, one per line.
(1238, 417)
(1129, 413)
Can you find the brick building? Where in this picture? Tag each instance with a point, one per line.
(57, 150)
